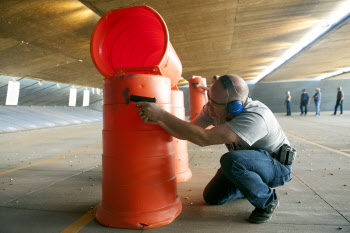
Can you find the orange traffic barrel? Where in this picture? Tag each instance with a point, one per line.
(139, 188)
(197, 96)
(134, 40)
(182, 168)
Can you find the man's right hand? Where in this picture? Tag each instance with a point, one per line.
(150, 112)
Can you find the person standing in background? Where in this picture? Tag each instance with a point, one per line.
(304, 101)
(340, 100)
(287, 103)
(317, 99)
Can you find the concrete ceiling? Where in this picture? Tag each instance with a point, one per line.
(50, 39)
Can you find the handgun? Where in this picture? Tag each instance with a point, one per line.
(137, 98)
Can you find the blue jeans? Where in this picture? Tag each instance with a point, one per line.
(289, 112)
(301, 108)
(336, 107)
(246, 173)
(318, 104)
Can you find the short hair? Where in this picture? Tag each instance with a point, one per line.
(216, 77)
(240, 90)
(339, 88)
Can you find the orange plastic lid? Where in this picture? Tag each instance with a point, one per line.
(128, 37)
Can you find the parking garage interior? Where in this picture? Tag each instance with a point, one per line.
(52, 115)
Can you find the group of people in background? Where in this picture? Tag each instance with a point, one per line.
(305, 101)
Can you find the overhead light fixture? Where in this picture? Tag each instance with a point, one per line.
(72, 97)
(332, 74)
(12, 92)
(337, 16)
(86, 98)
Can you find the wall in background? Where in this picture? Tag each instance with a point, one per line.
(273, 94)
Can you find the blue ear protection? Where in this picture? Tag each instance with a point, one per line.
(234, 107)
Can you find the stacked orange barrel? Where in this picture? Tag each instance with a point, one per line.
(183, 171)
(198, 97)
(139, 180)
(130, 47)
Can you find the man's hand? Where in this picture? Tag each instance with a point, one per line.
(197, 85)
(150, 112)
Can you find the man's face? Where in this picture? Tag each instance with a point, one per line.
(217, 109)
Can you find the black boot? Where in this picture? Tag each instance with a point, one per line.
(264, 215)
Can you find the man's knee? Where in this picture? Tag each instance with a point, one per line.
(211, 197)
(226, 158)
(216, 191)
(230, 160)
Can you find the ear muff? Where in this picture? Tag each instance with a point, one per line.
(234, 108)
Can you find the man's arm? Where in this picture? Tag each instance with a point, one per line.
(189, 131)
(195, 121)
(169, 131)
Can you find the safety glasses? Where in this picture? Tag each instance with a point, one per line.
(215, 104)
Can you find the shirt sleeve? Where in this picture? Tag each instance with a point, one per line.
(249, 127)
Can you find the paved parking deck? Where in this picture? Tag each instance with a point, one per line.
(50, 181)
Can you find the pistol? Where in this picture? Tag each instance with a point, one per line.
(137, 98)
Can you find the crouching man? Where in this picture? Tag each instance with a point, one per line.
(259, 156)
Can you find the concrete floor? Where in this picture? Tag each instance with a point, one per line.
(50, 181)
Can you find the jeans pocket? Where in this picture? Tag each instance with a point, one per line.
(279, 181)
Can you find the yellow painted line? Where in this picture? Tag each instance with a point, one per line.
(81, 222)
(55, 162)
(319, 145)
(97, 149)
(49, 160)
